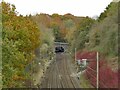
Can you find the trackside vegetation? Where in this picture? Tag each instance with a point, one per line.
(28, 44)
(20, 37)
(100, 35)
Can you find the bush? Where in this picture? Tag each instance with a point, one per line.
(107, 78)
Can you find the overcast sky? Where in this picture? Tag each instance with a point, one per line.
(76, 7)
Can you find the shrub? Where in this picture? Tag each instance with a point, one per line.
(107, 78)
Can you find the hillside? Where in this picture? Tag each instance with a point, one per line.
(86, 34)
(60, 25)
(100, 35)
(28, 46)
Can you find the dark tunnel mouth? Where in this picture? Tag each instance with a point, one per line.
(59, 49)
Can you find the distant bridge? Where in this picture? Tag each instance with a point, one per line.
(64, 45)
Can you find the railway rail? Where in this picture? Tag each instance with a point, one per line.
(58, 75)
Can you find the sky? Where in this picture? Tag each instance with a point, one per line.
(89, 8)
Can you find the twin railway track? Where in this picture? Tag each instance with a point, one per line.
(58, 75)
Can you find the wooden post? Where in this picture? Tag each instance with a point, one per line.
(97, 83)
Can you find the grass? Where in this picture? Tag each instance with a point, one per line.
(113, 63)
(84, 83)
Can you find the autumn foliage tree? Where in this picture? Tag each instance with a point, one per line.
(20, 38)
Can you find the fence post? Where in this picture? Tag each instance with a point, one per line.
(97, 70)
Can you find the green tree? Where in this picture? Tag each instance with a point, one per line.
(81, 34)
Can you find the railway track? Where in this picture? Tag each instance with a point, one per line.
(58, 75)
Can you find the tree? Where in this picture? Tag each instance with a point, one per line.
(19, 42)
(81, 34)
